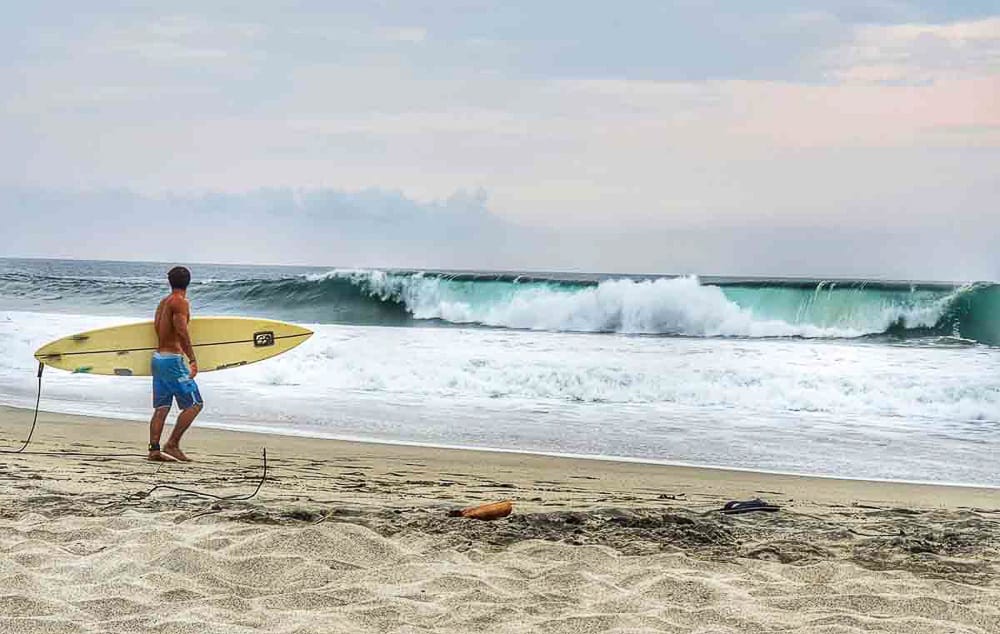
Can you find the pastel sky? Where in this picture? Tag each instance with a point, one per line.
(805, 137)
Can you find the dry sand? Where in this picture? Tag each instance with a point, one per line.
(353, 537)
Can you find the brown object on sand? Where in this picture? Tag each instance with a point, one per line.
(486, 512)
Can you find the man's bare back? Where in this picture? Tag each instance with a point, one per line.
(173, 308)
(173, 379)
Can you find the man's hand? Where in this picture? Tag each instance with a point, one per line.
(194, 369)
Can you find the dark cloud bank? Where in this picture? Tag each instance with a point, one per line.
(377, 228)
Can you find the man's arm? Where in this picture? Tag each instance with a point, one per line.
(181, 316)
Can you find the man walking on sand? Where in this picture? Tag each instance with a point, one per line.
(172, 380)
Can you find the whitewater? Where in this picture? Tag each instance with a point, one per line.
(840, 378)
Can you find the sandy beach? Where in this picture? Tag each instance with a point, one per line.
(354, 537)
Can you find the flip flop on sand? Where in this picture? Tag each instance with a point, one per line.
(748, 506)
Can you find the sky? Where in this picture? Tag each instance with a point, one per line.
(817, 138)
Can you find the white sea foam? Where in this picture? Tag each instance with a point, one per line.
(446, 363)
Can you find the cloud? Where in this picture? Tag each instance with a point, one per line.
(168, 39)
(377, 228)
(413, 34)
(918, 53)
(666, 119)
(319, 226)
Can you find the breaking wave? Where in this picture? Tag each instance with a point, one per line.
(686, 306)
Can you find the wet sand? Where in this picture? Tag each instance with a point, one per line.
(355, 537)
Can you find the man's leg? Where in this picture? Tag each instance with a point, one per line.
(155, 431)
(184, 420)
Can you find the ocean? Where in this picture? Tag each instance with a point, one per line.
(847, 378)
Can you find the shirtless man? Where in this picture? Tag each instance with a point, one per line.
(171, 377)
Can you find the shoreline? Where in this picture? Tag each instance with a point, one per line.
(595, 457)
(285, 433)
(812, 488)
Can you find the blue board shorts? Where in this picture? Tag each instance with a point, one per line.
(172, 380)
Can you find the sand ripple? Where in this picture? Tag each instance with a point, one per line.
(143, 571)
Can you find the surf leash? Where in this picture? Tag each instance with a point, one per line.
(136, 496)
(211, 496)
(34, 423)
(34, 419)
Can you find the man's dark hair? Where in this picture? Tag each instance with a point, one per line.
(179, 278)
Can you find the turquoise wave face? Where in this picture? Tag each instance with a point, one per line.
(974, 313)
(692, 307)
(855, 306)
(685, 306)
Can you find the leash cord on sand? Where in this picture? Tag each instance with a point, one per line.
(31, 432)
(34, 420)
(228, 498)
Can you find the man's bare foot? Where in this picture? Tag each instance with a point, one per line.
(158, 456)
(175, 452)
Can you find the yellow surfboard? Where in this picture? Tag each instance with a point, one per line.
(219, 343)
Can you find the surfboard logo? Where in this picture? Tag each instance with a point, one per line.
(263, 339)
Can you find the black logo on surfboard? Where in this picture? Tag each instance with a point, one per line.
(263, 339)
